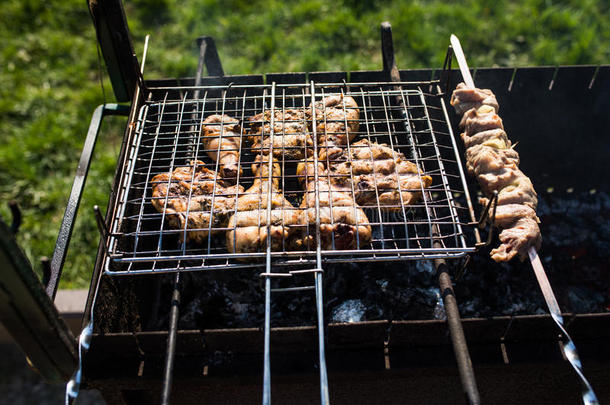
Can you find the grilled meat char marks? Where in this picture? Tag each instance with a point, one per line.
(343, 224)
(249, 227)
(194, 198)
(336, 124)
(222, 140)
(292, 139)
(491, 158)
(380, 175)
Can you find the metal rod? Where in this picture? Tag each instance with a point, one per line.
(144, 53)
(171, 342)
(268, 267)
(458, 339)
(324, 395)
(569, 349)
(202, 48)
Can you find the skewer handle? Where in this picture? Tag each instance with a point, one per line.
(459, 55)
(568, 348)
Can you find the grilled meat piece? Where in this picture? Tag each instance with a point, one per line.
(507, 214)
(291, 136)
(486, 159)
(491, 158)
(379, 175)
(519, 225)
(495, 138)
(249, 226)
(195, 199)
(518, 191)
(481, 119)
(336, 123)
(516, 240)
(222, 140)
(343, 224)
(465, 98)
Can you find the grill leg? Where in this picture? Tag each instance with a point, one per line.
(458, 339)
(171, 343)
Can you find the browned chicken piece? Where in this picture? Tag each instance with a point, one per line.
(194, 198)
(482, 119)
(380, 175)
(291, 137)
(343, 224)
(221, 140)
(249, 227)
(491, 158)
(336, 123)
(485, 159)
(465, 98)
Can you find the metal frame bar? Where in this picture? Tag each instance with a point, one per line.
(67, 224)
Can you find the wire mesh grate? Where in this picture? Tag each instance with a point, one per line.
(276, 149)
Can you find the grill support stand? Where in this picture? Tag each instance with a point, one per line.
(454, 322)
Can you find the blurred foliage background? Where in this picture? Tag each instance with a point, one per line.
(49, 74)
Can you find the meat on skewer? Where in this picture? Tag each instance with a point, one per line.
(491, 158)
(343, 224)
(248, 227)
(221, 140)
(465, 98)
(379, 175)
(194, 198)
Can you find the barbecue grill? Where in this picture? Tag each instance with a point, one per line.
(133, 347)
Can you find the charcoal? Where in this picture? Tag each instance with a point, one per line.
(349, 311)
(575, 253)
(584, 300)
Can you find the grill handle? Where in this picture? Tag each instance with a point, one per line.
(67, 224)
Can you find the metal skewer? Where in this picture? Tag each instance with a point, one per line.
(569, 349)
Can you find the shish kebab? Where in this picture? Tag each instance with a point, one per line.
(490, 157)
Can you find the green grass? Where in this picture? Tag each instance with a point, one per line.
(49, 75)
